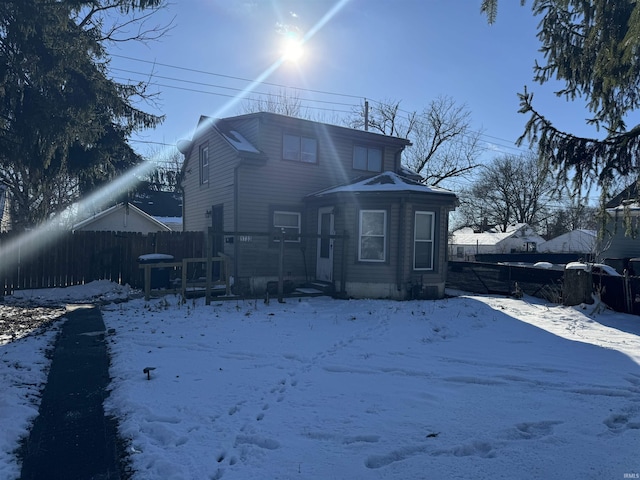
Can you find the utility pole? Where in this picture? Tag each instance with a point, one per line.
(366, 115)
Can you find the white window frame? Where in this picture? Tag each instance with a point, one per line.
(303, 153)
(368, 150)
(362, 236)
(416, 240)
(204, 164)
(288, 228)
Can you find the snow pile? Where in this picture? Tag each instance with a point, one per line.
(98, 291)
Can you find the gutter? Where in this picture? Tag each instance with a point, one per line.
(236, 209)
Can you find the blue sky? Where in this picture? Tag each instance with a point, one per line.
(408, 50)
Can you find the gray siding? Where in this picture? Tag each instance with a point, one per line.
(621, 240)
(251, 187)
(198, 199)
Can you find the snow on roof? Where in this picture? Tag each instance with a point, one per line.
(466, 236)
(234, 137)
(579, 240)
(384, 182)
(625, 206)
(484, 238)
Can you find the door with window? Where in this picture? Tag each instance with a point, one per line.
(324, 264)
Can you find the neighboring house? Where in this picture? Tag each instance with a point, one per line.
(166, 207)
(465, 243)
(621, 236)
(123, 217)
(351, 219)
(576, 241)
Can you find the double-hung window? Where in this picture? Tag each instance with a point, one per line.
(423, 240)
(372, 244)
(299, 149)
(204, 164)
(367, 158)
(287, 223)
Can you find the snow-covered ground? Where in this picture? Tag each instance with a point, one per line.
(469, 387)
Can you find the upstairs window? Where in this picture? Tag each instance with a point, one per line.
(367, 158)
(204, 164)
(299, 149)
(289, 223)
(372, 236)
(423, 241)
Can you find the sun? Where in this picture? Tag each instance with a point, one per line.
(292, 49)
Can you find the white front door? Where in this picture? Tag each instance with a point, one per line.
(324, 264)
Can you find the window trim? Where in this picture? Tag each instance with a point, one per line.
(368, 148)
(300, 151)
(204, 167)
(277, 228)
(432, 214)
(384, 235)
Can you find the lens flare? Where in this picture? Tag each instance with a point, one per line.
(292, 50)
(48, 233)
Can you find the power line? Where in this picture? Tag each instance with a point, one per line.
(192, 82)
(204, 72)
(246, 80)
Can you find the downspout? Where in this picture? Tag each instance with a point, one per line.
(401, 236)
(236, 197)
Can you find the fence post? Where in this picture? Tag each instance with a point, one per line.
(577, 287)
(627, 292)
(207, 291)
(281, 269)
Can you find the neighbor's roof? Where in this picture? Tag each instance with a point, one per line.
(117, 207)
(386, 182)
(466, 236)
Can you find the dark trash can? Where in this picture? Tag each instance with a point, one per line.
(160, 277)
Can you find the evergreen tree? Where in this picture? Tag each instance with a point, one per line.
(64, 123)
(593, 47)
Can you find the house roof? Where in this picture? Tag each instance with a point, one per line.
(579, 240)
(224, 126)
(466, 236)
(385, 182)
(334, 129)
(132, 209)
(233, 137)
(158, 204)
(628, 197)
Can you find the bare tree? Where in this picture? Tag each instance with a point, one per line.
(512, 189)
(577, 215)
(445, 145)
(166, 176)
(284, 102)
(384, 117)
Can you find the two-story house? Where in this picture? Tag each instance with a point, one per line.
(349, 213)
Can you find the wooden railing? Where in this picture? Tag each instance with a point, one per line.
(208, 283)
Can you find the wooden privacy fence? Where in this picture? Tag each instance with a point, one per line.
(63, 259)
